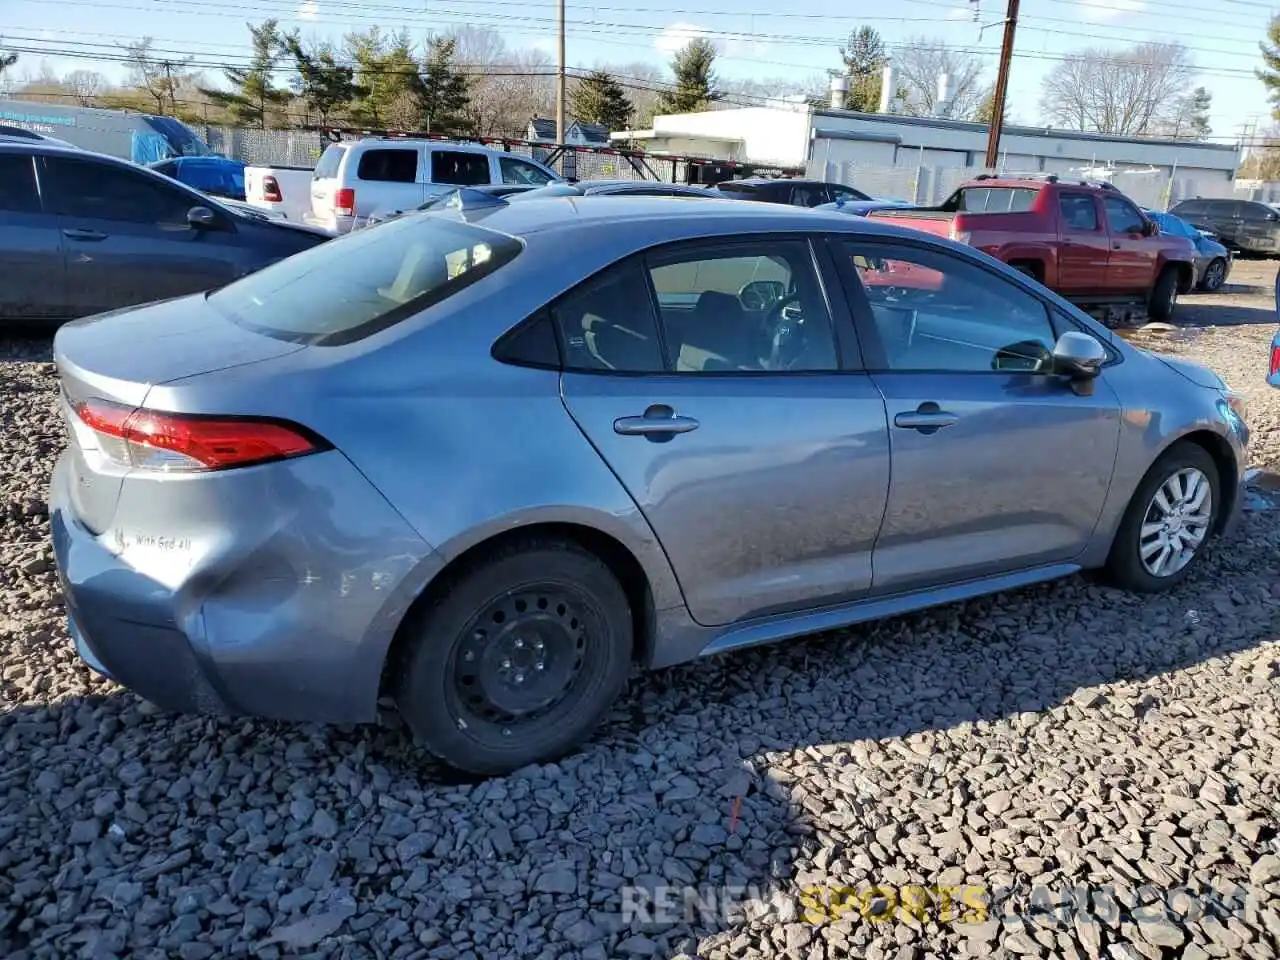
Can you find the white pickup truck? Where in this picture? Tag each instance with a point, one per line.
(281, 191)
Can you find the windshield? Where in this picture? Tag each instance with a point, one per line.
(352, 287)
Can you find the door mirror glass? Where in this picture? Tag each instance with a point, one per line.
(202, 218)
(1078, 356)
(1149, 228)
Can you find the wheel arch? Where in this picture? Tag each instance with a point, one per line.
(644, 587)
(1224, 459)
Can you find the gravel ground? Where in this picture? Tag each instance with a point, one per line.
(1063, 741)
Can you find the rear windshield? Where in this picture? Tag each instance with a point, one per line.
(992, 199)
(327, 168)
(349, 288)
(730, 186)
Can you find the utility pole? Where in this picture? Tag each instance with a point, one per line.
(1002, 86)
(560, 130)
(168, 83)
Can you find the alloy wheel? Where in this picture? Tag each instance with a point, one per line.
(1176, 522)
(1215, 275)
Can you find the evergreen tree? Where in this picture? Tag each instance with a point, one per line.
(1196, 110)
(325, 85)
(7, 60)
(598, 98)
(986, 111)
(1270, 76)
(443, 95)
(253, 92)
(388, 85)
(864, 60)
(695, 83)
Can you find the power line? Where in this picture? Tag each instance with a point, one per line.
(504, 19)
(600, 27)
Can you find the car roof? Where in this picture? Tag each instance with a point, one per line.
(46, 146)
(687, 217)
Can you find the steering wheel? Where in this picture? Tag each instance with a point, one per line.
(786, 337)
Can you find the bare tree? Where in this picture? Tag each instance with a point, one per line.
(1125, 92)
(643, 83)
(919, 63)
(86, 86)
(157, 77)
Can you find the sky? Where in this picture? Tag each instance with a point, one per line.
(756, 38)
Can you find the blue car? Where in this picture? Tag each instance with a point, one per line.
(1213, 260)
(215, 176)
(1273, 372)
(860, 208)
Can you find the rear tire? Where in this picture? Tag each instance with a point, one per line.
(1136, 552)
(1214, 276)
(520, 659)
(1164, 296)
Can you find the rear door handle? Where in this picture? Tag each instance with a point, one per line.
(78, 233)
(658, 420)
(927, 418)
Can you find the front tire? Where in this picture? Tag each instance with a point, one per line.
(1214, 276)
(519, 661)
(1172, 514)
(1164, 296)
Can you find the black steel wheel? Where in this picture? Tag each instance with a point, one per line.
(519, 660)
(520, 656)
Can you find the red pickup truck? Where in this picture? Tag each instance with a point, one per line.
(1086, 241)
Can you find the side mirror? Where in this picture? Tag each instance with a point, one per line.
(1149, 228)
(202, 218)
(1273, 216)
(1078, 356)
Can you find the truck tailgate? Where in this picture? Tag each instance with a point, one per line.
(938, 224)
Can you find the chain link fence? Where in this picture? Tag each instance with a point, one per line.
(302, 148)
(929, 186)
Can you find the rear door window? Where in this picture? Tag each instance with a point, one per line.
(389, 166)
(1077, 211)
(18, 184)
(330, 160)
(84, 189)
(347, 289)
(460, 168)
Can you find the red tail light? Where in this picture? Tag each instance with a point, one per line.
(271, 190)
(344, 202)
(170, 442)
(1275, 359)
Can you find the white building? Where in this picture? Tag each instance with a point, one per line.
(927, 156)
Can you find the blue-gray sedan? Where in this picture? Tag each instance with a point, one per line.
(485, 460)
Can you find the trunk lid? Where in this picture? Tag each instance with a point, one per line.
(118, 357)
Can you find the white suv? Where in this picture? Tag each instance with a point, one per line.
(358, 179)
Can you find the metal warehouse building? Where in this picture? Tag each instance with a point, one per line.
(922, 158)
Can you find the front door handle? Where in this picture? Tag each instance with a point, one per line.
(927, 418)
(78, 233)
(659, 420)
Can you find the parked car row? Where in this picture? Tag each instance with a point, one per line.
(85, 233)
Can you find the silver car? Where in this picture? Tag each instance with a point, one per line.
(485, 460)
